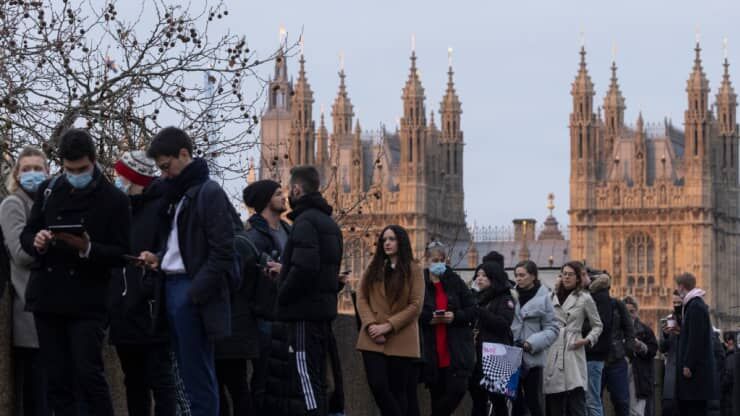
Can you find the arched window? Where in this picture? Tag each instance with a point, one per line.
(640, 259)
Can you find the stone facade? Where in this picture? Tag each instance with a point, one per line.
(651, 201)
(371, 178)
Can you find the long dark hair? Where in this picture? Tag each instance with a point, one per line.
(578, 269)
(379, 269)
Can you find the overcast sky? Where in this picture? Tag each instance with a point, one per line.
(514, 63)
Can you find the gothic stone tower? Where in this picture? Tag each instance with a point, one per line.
(372, 178)
(276, 125)
(650, 201)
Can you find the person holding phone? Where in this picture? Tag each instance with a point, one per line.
(389, 302)
(142, 341)
(269, 233)
(29, 171)
(446, 325)
(68, 290)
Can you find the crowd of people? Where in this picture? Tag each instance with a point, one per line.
(211, 316)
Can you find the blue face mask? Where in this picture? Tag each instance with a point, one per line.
(122, 186)
(30, 181)
(79, 181)
(437, 269)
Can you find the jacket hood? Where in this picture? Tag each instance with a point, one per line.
(600, 283)
(259, 223)
(313, 200)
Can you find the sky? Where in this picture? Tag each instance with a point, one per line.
(514, 62)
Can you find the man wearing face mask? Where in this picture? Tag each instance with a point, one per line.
(142, 342)
(68, 291)
(28, 173)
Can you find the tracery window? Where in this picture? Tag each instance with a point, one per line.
(640, 260)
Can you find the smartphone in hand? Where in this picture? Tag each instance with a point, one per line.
(133, 260)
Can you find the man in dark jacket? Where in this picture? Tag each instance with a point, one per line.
(307, 296)
(143, 350)
(198, 263)
(68, 290)
(695, 384)
(606, 360)
(670, 329)
(642, 358)
(253, 304)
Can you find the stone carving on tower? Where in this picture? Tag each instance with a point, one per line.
(650, 201)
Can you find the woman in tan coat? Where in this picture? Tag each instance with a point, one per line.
(566, 374)
(389, 301)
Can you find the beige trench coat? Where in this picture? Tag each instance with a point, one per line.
(566, 368)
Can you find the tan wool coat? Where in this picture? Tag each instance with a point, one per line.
(403, 315)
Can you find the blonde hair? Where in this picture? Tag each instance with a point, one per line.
(11, 182)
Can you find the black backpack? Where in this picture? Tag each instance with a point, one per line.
(246, 253)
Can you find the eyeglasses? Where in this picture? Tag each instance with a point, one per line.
(520, 274)
(568, 274)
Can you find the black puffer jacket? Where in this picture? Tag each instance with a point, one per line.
(62, 282)
(134, 304)
(311, 259)
(284, 394)
(643, 363)
(264, 288)
(599, 290)
(496, 307)
(459, 333)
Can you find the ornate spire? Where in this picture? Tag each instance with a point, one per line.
(697, 80)
(322, 139)
(614, 98)
(551, 231)
(451, 102)
(342, 109)
(302, 90)
(726, 91)
(726, 102)
(450, 109)
(413, 88)
(582, 84)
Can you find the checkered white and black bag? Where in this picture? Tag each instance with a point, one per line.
(500, 364)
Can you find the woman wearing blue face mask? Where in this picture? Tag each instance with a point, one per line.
(28, 173)
(446, 324)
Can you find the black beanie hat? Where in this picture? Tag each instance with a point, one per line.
(258, 194)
